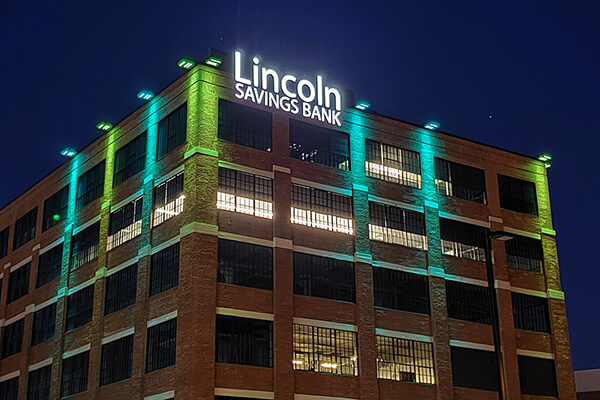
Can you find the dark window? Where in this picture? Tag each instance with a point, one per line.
(319, 145)
(530, 313)
(245, 264)
(325, 350)
(321, 209)
(244, 341)
(84, 246)
(161, 345)
(245, 193)
(245, 125)
(25, 229)
(55, 208)
(463, 240)
(9, 389)
(405, 360)
(4, 242)
(458, 180)
(164, 272)
(537, 376)
(130, 159)
(172, 131)
(121, 289)
(44, 323)
(117, 360)
(90, 186)
(468, 302)
(475, 369)
(168, 199)
(517, 195)
(396, 225)
(393, 164)
(80, 308)
(49, 265)
(12, 338)
(524, 253)
(125, 223)
(38, 387)
(18, 283)
(324, 277)
(75, 374)
(401, 290)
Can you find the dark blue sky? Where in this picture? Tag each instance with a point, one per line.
(534, 66)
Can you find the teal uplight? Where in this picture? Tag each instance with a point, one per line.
(546, 159)
(104, 126)
(68, 152)
(363, 105)
(432, 125)
(185, 63)
(145, 95)
(213, 61)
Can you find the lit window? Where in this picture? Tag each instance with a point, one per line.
(396, 225)
(322, 209)
(245, 193)
(405, 360)
(168, 199)
(458, 180)
(463, 240)
(125, 224)
(393, 164)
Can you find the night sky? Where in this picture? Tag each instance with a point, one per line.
(521, 75)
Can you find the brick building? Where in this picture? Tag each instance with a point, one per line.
(207, 247)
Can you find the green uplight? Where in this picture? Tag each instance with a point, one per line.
(546, 159)
(432, 125)
(68, 152)
(213, 61)
(145, 95)
(56, 217)
(185, 63)
(104, 126)
(363, 105)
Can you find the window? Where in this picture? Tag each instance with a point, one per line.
(125, 224)
(468, 302)
(396, 225)
(9, 389)
(121, 289)
(324, 277)
(244, 341)
(90, 186)
(164, 272)
(38, 387)
(524, 253)
(25, 229)
(393, 164)
(405, 360)
(245, 264)
(319, 145)
(245, 125)
(321, 209)
(161, 345)
(168, 199)
(325, 350)
(130, 159)
(245, 193)
(458, 180)
(75, 374)
(12, 338)
(44, 323)
(530, 313)
(80, 308)
(517, 195)
(476, 369)
(55, 208)
(463, 240)
(172, 131)
(18, 283)
(4, 242)
(116, 360)
(537, 376)
(49, 265)
(401, 290)
(85, 245)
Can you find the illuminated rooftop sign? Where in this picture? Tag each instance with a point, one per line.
(311, 99)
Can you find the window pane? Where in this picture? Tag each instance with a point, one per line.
(530, 313)
(164, 270)
(49, 265)
(18, 283)
(55, 208)
(476, 369)
(75, 374)
(244, 341)
(463, 240)
(130, 159)
(393, 164)
(468, 302)
(44, 323)
(121, 288)
(245, 125)
(25, 229)
(405, 360)
(12, 338)
(319, 145)
(90, 186)
(172, 131)
(324, 277)
(38, 386)
(524, 253)
(401, 290)
(117, 360)
(161, 345)
(517, 195)
(80, 308)
(245, 264)
(537, 376)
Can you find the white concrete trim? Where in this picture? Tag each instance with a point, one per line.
(168, 175)
(404, 335)
(245, 239)
(37, 307)
(83, 285)
(535, 354)
(232, 312)
(279, 168)
(130, 199)
(122, 266)
(398, 267)
(471, 345)
(199, 227)
(1, 275)
(250, 394)
(523, 233)
(21, 263)
(472, 281)
(10, 376)
(161, 319)
(438, 272)
(361, 257)
(161, 396)
(51, 246)
(17, 317)
(555, 294)
(79, 350)
(7, 265)
(496, 219)
(325, 324)
(86, 225)
(323, 253)
(328, 188)
(530, 292)
(283, 243)
(41, 364)
(118, 335)
(485, 224)
(504, 285)
(243, 168)
(396, 203)
(431, 204)
(319, 397)
(165, 244)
